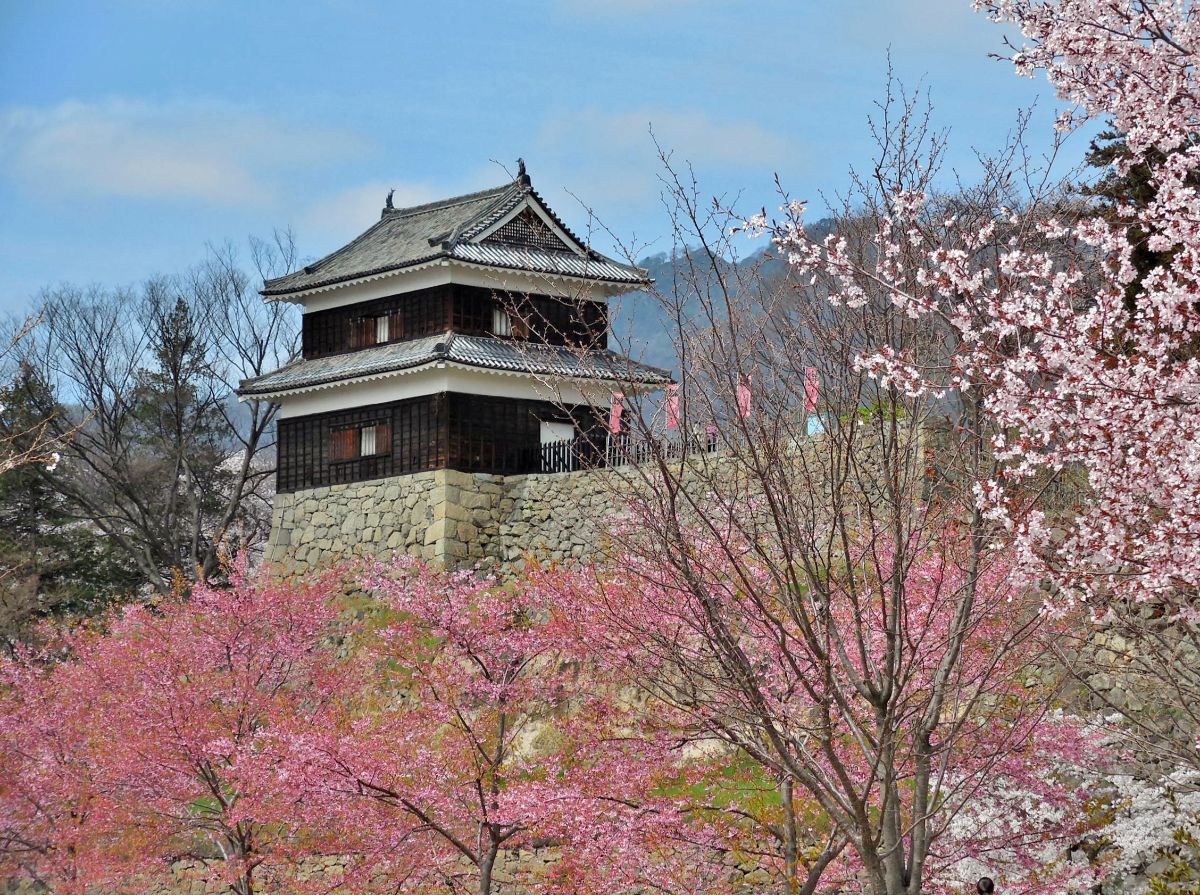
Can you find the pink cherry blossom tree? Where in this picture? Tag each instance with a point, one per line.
(1092, 381)
(475, 735)
(912, 755)
(1076, 361)
(825, 594)
(1118, 382)
(53, 816)
(146, 742)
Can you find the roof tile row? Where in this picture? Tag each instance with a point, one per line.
(481, 352)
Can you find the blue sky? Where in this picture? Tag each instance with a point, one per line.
(134, 133)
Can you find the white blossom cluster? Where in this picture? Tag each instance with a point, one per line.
(1149, 820)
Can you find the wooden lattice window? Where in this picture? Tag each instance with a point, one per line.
(355, 442)
(362, 332)
(408, 316)
(377, 329)
(409, 437)
(343, 444)
(527, 229)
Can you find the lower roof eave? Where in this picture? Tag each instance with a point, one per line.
(645, 384)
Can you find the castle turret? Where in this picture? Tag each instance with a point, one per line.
(466, 334)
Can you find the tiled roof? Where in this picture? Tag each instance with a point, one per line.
(450, 228)
(562, 263)
(482, 352)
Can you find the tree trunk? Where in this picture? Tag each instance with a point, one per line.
(486, 864)
(789, 838)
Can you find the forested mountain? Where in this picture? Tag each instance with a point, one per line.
(639, 320)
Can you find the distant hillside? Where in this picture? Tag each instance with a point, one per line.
(639, 324)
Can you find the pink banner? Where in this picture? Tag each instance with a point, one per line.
(615, 411)
(743, 396)
(812, 383)
(672, 407)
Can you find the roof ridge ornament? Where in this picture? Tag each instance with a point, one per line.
(522, 177)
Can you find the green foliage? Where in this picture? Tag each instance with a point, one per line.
(179, 432)
(51, 563)
(1181, 876)
(1134, 188)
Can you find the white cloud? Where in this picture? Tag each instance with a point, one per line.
(691, 135)
(348, 212)
(175, 151)
(612, 155)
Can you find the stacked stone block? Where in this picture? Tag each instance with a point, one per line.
(445, 517)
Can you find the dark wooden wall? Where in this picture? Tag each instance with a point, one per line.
(423, 312)
(555, 321)
(470, 433)
(418, 444)
(464, 309)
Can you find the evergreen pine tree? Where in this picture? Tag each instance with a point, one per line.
(51, 563)
(1133, 189)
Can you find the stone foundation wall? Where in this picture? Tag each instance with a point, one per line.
(319, 526)
(445, 517)
(555, 517)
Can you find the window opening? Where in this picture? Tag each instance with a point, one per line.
(501, 322)
(355, 442)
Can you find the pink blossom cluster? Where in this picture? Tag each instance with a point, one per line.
(479, 730)
(1119, 391)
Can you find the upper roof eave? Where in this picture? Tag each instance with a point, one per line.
(275, 295)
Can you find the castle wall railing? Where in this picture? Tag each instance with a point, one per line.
(583, 452)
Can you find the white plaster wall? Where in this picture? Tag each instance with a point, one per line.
(441, 378)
